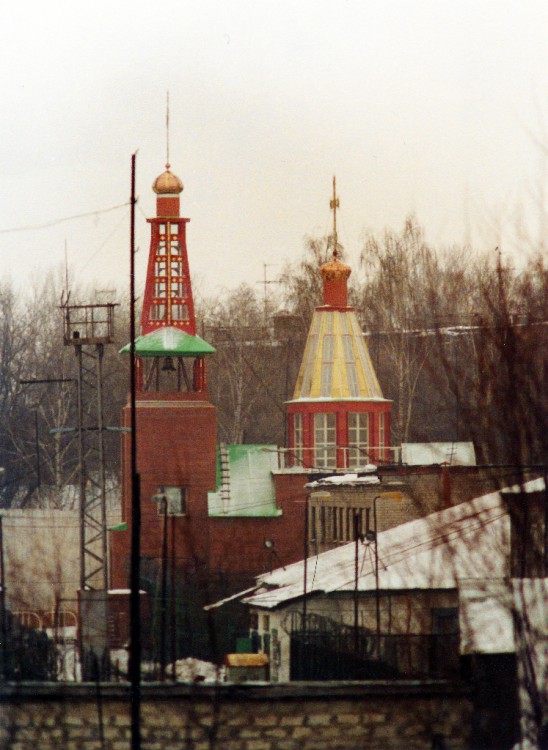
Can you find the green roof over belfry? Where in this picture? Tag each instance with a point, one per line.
(169, 342)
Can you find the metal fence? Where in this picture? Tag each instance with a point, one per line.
(26, 653)
(339, 652)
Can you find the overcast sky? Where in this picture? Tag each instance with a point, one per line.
(423, 106)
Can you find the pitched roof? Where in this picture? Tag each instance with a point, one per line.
(169, 342)
(467, 541)
(336, 363)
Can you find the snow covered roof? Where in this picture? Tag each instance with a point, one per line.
(425, 454)
(348, 480)
(466, 542)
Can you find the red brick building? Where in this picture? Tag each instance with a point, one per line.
(216, 516)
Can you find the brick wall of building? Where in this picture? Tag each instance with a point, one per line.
(381, 716)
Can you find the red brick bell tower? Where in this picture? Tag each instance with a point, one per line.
(175, 420)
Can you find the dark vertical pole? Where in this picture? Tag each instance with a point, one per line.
(173, 627)
(163, 604)
(377, 596)
(100, 350)
(135, 573)
(356, 574)
(306, 535)
(82, 472)
(3, 604)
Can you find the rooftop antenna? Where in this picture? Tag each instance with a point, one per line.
(334, 205)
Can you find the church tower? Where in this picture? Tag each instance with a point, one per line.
(338, 417)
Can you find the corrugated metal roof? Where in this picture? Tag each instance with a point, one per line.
(467, 541)
(169, 342)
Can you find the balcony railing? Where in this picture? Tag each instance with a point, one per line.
(341, 459)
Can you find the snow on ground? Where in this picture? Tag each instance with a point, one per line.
(186, 670)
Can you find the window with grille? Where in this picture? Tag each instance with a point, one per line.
(298, 437)
(160, 288)
(358, 439)
(325, 445)
(157, 312)
(382, 436)
(160, 267)
(179, 312)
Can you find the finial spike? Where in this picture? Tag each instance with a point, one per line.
(167, 130)
(334, 205)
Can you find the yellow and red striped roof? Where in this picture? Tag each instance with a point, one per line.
(336, 363)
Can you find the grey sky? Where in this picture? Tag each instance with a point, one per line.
(417, 106)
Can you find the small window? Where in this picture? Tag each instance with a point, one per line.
(160, 267)
(358, 439)
(298, 437)
(160, 288)
(162, 228)
(324, 440)
(176, 267)
(174, 229)
(179, 312)
(157, 312)
(382, 436)
(172, 500)
(178, 289)
(174, 247)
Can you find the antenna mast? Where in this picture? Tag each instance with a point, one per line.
(167, 130)
(334, 205)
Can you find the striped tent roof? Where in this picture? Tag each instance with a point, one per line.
(336, 363)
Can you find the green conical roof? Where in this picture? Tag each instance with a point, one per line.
(169, 342)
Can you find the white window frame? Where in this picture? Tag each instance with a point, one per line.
(325, 440)
(298, 437)
(359, 425)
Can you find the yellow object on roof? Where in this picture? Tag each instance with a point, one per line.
(246, 660)
(336, 363)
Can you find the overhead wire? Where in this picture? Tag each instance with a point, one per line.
(46, 225)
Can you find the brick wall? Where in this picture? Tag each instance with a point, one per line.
(380, 716)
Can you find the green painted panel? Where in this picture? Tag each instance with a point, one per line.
(169, 342)
(249, 486)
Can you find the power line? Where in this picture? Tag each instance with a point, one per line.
(32, 227)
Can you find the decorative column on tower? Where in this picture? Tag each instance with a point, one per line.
(338, 417)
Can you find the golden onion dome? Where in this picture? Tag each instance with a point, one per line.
(334, 270)
(167, 183)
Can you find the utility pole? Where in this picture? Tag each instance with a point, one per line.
(135, 563)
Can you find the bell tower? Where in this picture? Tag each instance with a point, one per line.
(338, 417)
(175, 420)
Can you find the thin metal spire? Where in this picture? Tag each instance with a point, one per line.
(167, 130)
(334, 205)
